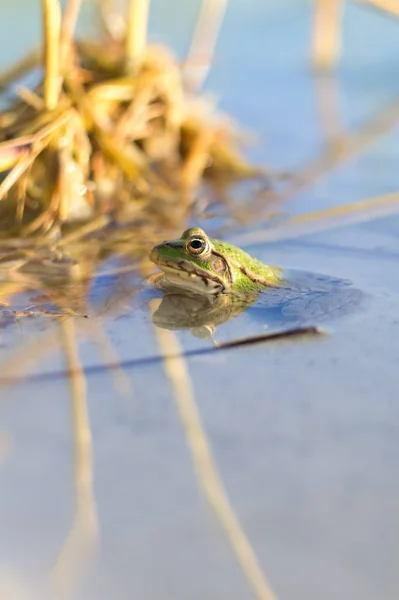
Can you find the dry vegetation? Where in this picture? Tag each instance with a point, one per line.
(111, 147)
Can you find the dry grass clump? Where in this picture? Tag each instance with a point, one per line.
(110, 131)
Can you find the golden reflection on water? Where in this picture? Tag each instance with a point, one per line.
(81, 544)
(204, 463)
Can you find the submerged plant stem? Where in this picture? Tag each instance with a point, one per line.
(296, 226)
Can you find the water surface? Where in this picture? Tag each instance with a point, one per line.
(304, 432)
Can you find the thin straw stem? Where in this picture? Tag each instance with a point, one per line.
(20, 68)
(327, 33)
(69, 21)
(389, 6)
(203, 44)
(51, 27)
(136, 32)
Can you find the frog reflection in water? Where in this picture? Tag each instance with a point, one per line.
(209, 282)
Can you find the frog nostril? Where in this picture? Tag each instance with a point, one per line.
(219, 265)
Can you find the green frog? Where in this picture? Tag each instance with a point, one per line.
(201, 265)
(210, 282)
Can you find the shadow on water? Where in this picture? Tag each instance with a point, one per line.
(306, 299)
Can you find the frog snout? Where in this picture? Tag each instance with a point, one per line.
(154, 254)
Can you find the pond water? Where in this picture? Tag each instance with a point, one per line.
(103, 492)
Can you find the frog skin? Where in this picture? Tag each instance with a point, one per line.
(201, 265)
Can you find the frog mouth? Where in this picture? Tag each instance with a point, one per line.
(184, 274)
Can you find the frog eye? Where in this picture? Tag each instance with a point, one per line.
(197, 245)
